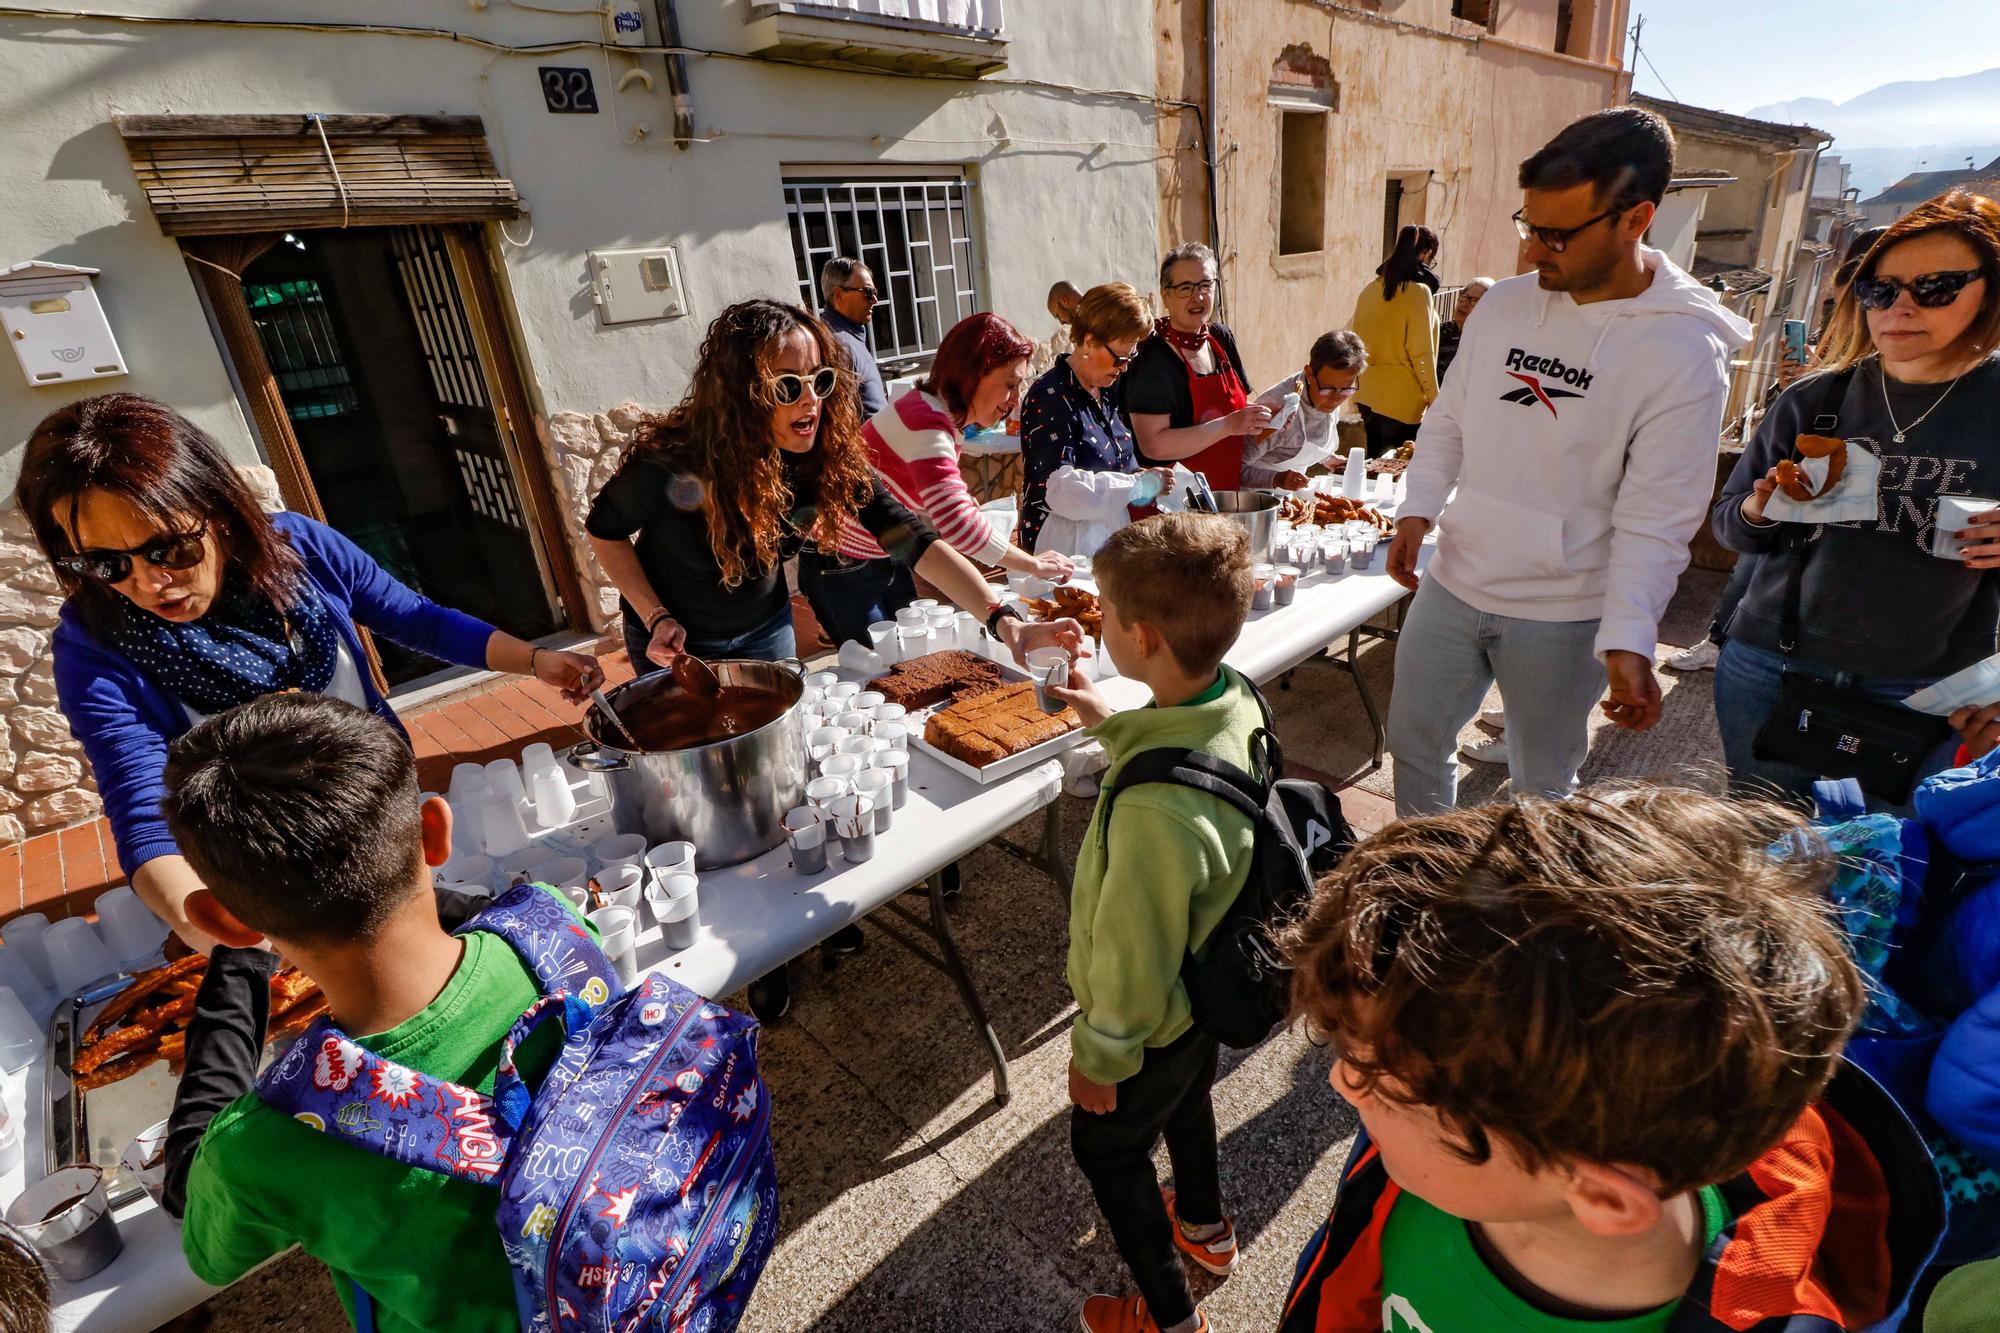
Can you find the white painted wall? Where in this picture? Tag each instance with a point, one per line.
(1675, 223)
(1072, 196)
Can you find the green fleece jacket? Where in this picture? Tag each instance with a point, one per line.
(1156, 882)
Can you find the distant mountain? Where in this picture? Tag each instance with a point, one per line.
(1891, 131)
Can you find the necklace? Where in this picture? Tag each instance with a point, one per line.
(1902, 432)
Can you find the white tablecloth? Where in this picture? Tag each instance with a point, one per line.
(754, 917)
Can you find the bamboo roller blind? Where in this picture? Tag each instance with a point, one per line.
(207, 175)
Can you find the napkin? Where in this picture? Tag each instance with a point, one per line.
(1852, 501)
(1978, 684)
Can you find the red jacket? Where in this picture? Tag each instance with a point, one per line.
(1829, 1229)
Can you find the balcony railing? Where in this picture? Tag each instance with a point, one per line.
(964, 37)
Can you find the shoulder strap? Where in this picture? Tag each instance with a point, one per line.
(557, 948)
(1176, 767)
(1829, 394)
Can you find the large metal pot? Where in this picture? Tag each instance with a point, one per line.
(728, 797)
(1256, 512)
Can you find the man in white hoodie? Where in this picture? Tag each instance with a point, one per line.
(1579, 425)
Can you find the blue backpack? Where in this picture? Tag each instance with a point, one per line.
(637, 1190)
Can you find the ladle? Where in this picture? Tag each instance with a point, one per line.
(696, 676)
(604, 706)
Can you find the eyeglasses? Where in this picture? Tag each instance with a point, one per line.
(174, 551)
(1336, 391)
(868, 292)
(1556, 239)
(789, 388)
(1189, 290)
(1119, 359)
(1929, 290)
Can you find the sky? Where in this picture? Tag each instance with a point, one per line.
(1732, 55)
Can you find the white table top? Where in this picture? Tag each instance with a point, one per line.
(754, 917)
(989, 442)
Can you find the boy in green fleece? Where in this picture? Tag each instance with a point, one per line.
(1151, 886)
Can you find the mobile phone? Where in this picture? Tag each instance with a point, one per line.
(1795, 339)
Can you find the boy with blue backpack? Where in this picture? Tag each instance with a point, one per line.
(628, 1142)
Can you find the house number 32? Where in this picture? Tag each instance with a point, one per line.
(568, 90)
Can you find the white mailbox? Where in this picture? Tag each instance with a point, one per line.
(631, 285)
(55, 325)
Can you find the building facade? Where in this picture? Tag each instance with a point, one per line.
(1333, 124)
(1753, 244)
(1881, 209)
(430, 273)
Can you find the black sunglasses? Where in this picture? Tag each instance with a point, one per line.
(1556, 239)
(789, 388)
(868, 292)
(1929, 290)
(168, 551)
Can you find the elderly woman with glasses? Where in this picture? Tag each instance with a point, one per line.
(763, 455)
(184, 598)
(1083, 478)
(1279, 459)
(1187, 393)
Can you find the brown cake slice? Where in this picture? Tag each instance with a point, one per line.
(990, 727)
(937, 677)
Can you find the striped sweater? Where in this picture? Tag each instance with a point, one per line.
(913, 444)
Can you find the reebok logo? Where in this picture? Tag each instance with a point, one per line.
(1540, 377)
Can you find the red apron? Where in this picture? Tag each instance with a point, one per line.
(1216, 396)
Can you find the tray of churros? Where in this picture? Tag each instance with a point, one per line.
(116, 1053)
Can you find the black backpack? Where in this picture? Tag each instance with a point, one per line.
(1237, 984)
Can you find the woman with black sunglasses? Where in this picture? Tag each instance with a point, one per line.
(764, 454)
(1909, 372)
(185, 599)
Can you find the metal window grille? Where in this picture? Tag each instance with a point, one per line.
(915, 235)
(296, 329)
(440, 316)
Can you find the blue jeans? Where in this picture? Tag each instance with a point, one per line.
(850, 595)
(771, 641)
(1747, 680)
(1448, 656)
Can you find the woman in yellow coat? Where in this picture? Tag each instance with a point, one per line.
(1399, 326)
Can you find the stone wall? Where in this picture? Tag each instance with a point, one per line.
(44, 781)
(584, 449)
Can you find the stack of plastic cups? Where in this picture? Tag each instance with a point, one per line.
(504, 831)
(467, 790)
(77, 957)
(467, 874)
(505, 775)
(21, 979)
(23, 936)
(555, 802)
(970, 634)
(131, 932)
(20, 1034)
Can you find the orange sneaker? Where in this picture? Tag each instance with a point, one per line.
(1126, 1314)
(1217, 1254)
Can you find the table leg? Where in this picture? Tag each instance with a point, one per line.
(947, 959)
(1367, 698)
(1048, 854)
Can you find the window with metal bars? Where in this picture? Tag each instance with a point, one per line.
(915, 235)
(296, 329)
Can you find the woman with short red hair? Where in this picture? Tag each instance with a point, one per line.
(975, 380)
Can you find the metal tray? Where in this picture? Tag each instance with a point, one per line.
(97, 1125)
(1000, 769)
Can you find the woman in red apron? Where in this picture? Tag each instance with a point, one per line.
(1187, 394)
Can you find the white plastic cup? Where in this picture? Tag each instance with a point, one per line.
(555, 803)
(821, 681)
(854, 821)
(913, 641)
(621, 885)
(924, 604)
(669, 858)
(854, 722)
(617, 932)
(467, 780)
(562, 869)
(911, 617)
(879, 786)
(130, 930)
(858, 746)
(1261, 591)
(822, 743)
(145, 1158)
(620, 849)
(680, 926)
(805, 834)
(842, 690)
(503, 831)
(470, 870)
(888, 713)
(842, 766)
(868, 701)
(20, 1035)
(536, 758)
(523, 865)
(504, 775)
(18, 977)
(823, 791)
(1284, 585)
(882, 638)
(77, 955)
(66, 1216)
(892, 736)
(24, 933)
(896, 763)
(967, 630)
(1046, 667)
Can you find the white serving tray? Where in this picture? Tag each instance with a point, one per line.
(1000, 769)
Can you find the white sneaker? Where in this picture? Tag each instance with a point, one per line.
(1701, 657)
(1493, 750)
(1496, 718)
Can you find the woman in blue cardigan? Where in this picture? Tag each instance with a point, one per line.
(185, 599)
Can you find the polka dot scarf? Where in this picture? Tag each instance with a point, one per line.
(243, 649)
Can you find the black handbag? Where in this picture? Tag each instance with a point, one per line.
(1830, 730)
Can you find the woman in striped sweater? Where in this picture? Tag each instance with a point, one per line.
(975, 380)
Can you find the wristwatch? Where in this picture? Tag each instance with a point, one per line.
(1004, 610)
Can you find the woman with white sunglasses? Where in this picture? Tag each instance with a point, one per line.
(764, 454)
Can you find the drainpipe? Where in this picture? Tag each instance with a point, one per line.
(1208, 150)
(677, 76)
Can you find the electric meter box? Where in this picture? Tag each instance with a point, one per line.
(55, 324)
(630, 285)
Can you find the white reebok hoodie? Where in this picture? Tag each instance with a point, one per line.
(1582, 440)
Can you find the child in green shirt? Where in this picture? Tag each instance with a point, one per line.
(301, 815)
(1594, 1045)
(1150, 887)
